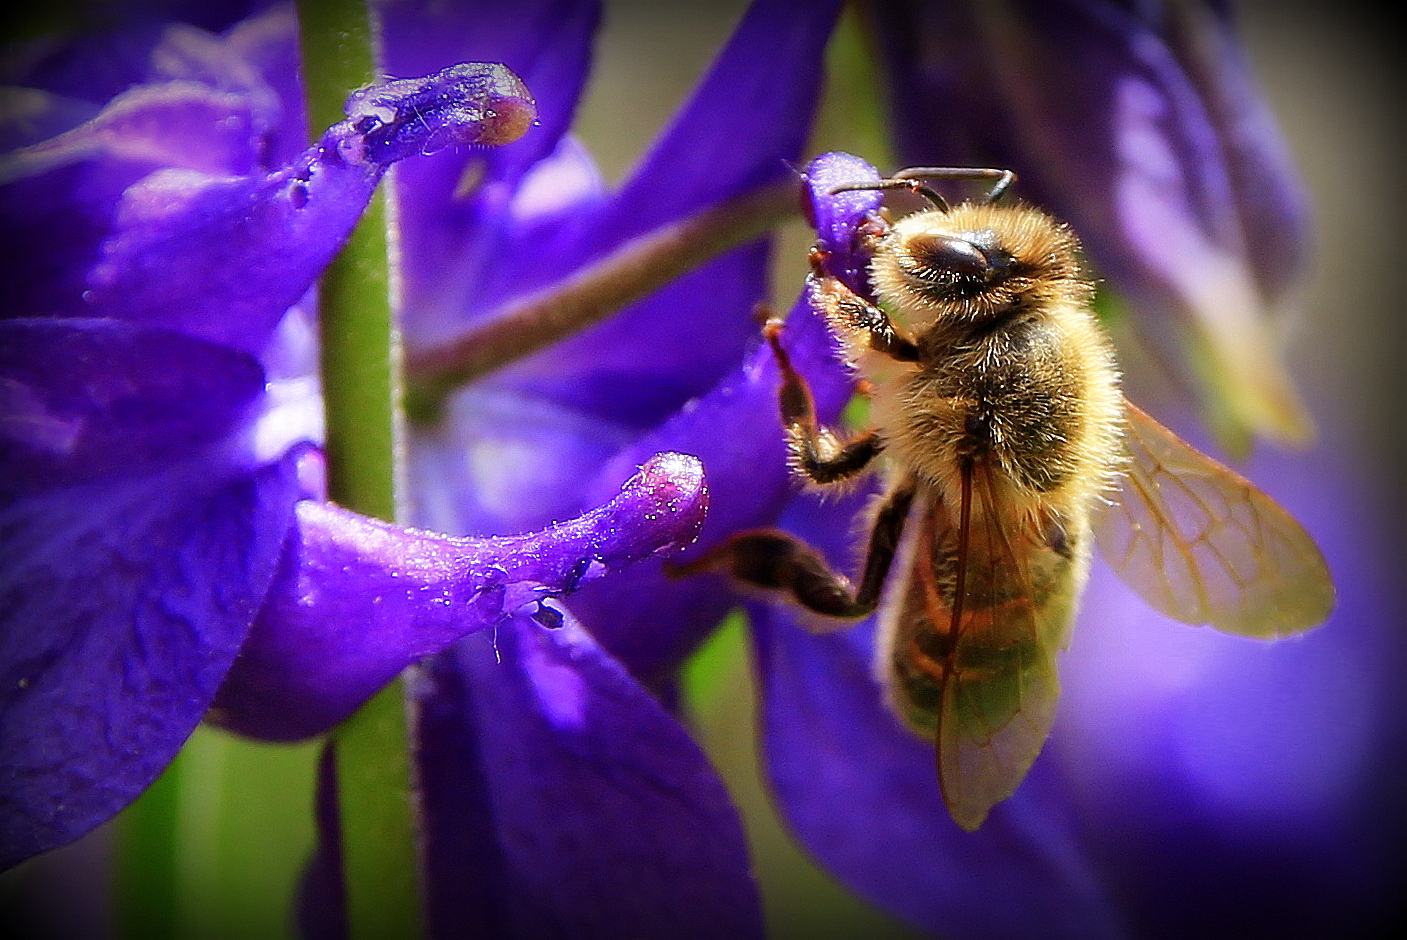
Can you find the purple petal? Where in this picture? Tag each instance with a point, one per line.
(743, 127)
(504, 462)
(113, 52)
(698, 325)
(125, 602)
(747, 120)
(60, 195)
(357, 600)
(197, 102)
(224, 258)
(836, 217)
(256, 58)
(83, 400)
(180, 124)
(562, 800)
(1271, 202)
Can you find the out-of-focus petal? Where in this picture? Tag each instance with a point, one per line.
(108, 47)
(456, 207)
(257, 59)
(743, 127)
(178, 124)
(643, 840)
(131, 579)
(1107, 128)
(1225, 771)
(1271, 202)
(748, 118)
(193, 101)
(505, 462)
(59, 196)
(358, 600)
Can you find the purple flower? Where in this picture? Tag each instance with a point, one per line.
(162, 484)
(151, 482)
(161, 490)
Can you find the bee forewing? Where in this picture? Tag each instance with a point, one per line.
(1202, 544)
(983, 680)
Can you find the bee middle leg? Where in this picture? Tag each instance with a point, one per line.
(777, 560)
(812, 449)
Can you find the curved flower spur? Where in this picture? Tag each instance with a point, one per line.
(151, 479)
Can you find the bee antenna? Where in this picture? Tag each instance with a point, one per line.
(912, 185)
(1003, 178)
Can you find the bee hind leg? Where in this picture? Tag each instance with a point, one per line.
(779, 561)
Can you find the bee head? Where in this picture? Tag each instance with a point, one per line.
(960, 264)
(974, 260)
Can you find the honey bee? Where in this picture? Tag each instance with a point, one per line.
(1007, 449)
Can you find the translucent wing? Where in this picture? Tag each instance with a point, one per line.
(975, 626)
(1201, 543)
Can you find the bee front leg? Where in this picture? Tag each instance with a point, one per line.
(779, 561)
(854, 317)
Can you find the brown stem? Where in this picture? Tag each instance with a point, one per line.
(632, 271)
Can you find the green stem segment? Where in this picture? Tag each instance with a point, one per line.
(631, 272)
(360, 372)
(146, 890)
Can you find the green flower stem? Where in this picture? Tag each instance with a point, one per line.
(215, 847)
(145, 891)
(631, 272)
(360, 369)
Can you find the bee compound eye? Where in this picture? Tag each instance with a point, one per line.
(947, 257)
